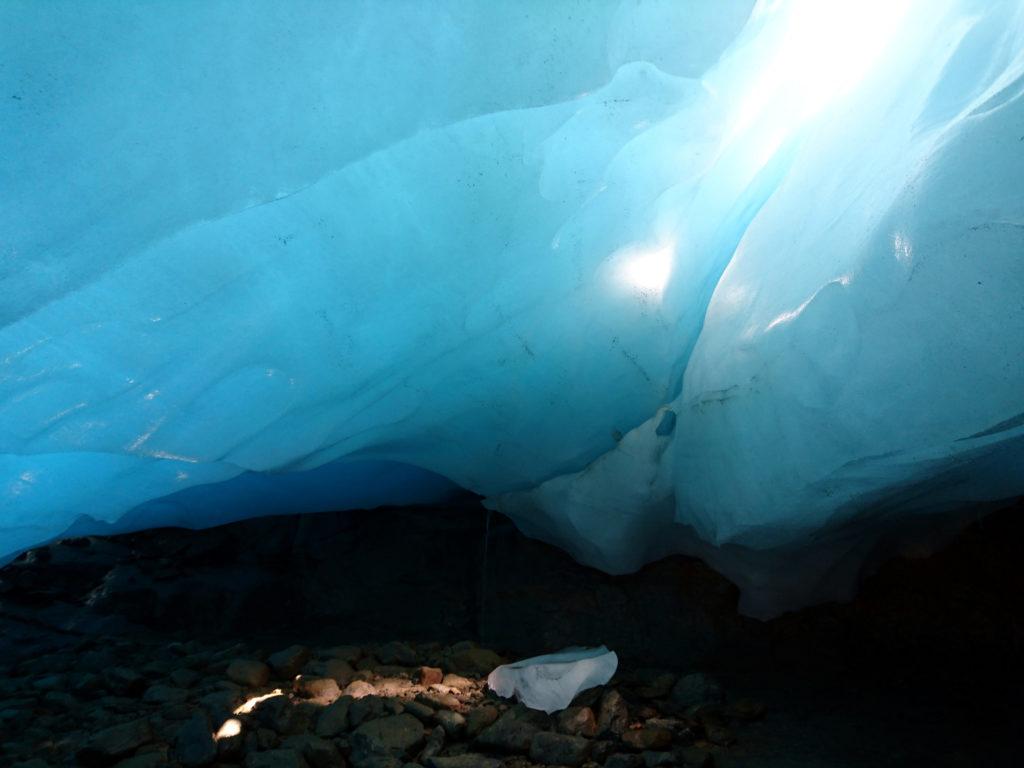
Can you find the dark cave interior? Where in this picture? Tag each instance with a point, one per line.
(920, 669)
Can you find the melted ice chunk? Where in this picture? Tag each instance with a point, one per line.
(551, 682)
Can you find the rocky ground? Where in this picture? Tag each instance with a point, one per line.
(114, 702)
(157, 648)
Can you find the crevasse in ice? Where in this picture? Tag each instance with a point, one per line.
(732, 279)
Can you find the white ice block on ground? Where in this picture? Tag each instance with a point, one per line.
(551, 682)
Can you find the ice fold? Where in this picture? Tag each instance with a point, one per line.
(740, 280)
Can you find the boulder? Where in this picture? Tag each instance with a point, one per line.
(429, 675)
(480, 718)
(395, 736)
(647, 738)
(248, 672)
(323, 690)
(276, 758)
(104, 747)
(194, 745)
(578, 721)
(333, 720)
(512, 732)
(397, 652)
(559, 749)
(612, 715)
(289, 662)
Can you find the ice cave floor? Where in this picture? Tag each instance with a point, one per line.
(328, 640)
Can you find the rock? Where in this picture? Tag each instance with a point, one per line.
(386, 737)
(612, 716)
(397, 652)
(512, 732)
(220, 704)
(357, 689)
(323, 689)
(276, 758)
(50, 683)
(392, 686)
(468, 760)
(277, 713)
(338, 670)
(184, 678)
(334, 718)
(624, 760)
(366, 708)
(419, 710)
(601, 749)
(559, 749)
(475, 661)
(266, 739)
(697, 688)
(319, 753)
(230, 739)
(439, 700)
(480, 718)
(60, 699)
(123, 681)
(458, 681)
(429, 675)
(349, 653)
(435, 743)
(248, 672)
(33, 763)
(578, 721)
(648, 739)
(290, 661)
(164, 694)
(453, 723)
(146, 760)
(194, 745)
(117, 741)
(84, 682)
(591, 697)
(719, 734)
(658, 759)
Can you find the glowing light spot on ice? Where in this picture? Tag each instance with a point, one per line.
(902, 248)
(823, 50)
(646, 271)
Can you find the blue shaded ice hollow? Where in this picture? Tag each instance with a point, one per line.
(738, 280)
(550, 683)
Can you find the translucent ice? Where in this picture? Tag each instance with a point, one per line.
(551, 682)
(733, 279)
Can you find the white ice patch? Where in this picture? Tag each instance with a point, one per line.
(551, 682)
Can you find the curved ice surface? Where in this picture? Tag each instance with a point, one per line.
(741, 280)
(551, 682)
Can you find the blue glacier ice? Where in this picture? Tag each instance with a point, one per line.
(740, 280)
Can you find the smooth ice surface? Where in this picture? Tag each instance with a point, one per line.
(732, 279)
(551, 682)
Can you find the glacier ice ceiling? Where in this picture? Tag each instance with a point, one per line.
(741, 280)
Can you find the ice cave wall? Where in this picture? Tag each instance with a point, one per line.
(740, 280)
